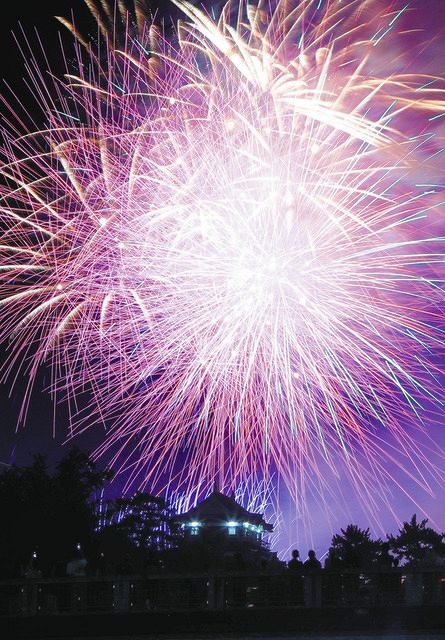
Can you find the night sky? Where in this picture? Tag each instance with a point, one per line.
(37, 435)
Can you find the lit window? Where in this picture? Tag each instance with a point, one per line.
(194, 528)
(231, 526)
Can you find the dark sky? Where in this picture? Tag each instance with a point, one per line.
(37, 435)
(29, 19)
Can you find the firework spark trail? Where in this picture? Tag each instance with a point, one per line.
(225, 240)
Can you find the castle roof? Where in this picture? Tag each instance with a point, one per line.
(217, 508)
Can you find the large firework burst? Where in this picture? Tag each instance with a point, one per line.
(227, 238)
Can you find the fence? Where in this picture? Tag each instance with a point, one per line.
(218, 592)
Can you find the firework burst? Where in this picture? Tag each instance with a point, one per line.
(226, 238)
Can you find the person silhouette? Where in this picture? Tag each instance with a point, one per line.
(312, 580)
(295, 567)
(295, 563)
(312, 563)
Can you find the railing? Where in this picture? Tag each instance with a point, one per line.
(164, 592)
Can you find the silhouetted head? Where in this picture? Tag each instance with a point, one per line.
(311, 554)
(295, 554)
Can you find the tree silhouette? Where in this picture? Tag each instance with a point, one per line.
(47, 514)
(416, 543)
(354, 548)
(137, 533)
(148, 521)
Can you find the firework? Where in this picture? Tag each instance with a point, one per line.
(232, 239)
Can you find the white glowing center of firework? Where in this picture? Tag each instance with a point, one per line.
(226, 244)
(261, 281)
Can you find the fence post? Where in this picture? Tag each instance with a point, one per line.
(414, 588)
(121, 596)
(215, 592)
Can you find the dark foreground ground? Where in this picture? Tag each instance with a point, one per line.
(418, 636)
(392, 623)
